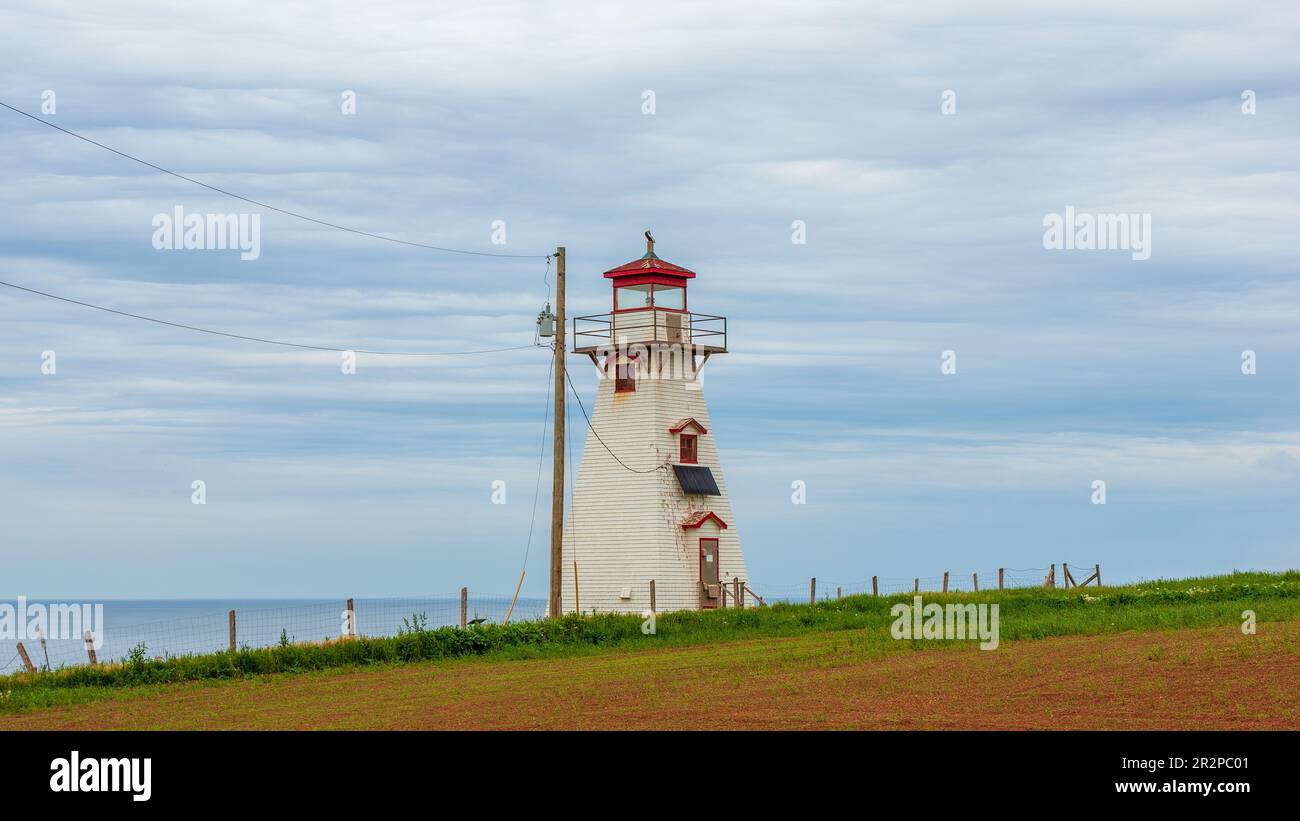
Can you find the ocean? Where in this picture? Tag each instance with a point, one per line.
(173, 627)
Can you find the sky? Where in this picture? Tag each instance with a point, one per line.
(918, 149)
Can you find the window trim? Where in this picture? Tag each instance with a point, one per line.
(625, 376)
(694, 441)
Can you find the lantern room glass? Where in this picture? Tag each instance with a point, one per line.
(632, 297)
(670, 297)
(640, 297)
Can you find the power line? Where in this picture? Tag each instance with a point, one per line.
(574, 390)
(260, 204)
(537, 486)
(255, 338)
(573, 495)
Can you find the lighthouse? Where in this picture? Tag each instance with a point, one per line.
(650, 502)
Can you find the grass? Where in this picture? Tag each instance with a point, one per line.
(1032, 613)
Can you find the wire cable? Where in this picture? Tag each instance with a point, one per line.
(541, 454)
(590, 427)
(573, 507)
(268, 206)
(255, 338)
(537, 488)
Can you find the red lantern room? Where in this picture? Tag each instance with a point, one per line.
(649, 283)
(649, 306)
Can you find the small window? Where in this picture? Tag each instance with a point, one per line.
(689, 449)
(625, 378)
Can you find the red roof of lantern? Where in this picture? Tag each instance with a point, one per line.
(649, 264)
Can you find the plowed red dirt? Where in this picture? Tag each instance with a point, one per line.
(1203, 678)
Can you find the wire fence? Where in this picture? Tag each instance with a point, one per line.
(121, 630)
(1002, 578)
(51, 641)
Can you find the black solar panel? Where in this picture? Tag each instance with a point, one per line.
(696, 480)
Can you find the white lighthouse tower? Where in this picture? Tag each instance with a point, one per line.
(650, 502)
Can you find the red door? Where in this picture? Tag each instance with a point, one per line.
(710, 590)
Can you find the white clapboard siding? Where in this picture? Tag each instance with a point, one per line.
(624, 528)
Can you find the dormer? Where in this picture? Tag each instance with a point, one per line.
(697, 520)
(688, 432)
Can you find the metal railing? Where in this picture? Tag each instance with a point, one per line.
(706, 332)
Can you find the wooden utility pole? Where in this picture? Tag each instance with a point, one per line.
(557, 445)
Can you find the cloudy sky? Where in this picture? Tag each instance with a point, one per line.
(924, 234)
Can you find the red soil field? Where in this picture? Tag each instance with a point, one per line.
(1214, 678)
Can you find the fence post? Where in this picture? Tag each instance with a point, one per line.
(839, 592)
(741, 598)
(812, 591)
(875, 590)
(945, 581)
(90, 649)
(975, 580)
(1099, 575)
(27, 661)
(464, 606)
(916, 585)
(232, 631)
(1050, 581)
(652, 596)
(735, 586)
(1000, 571)
(352, 620)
